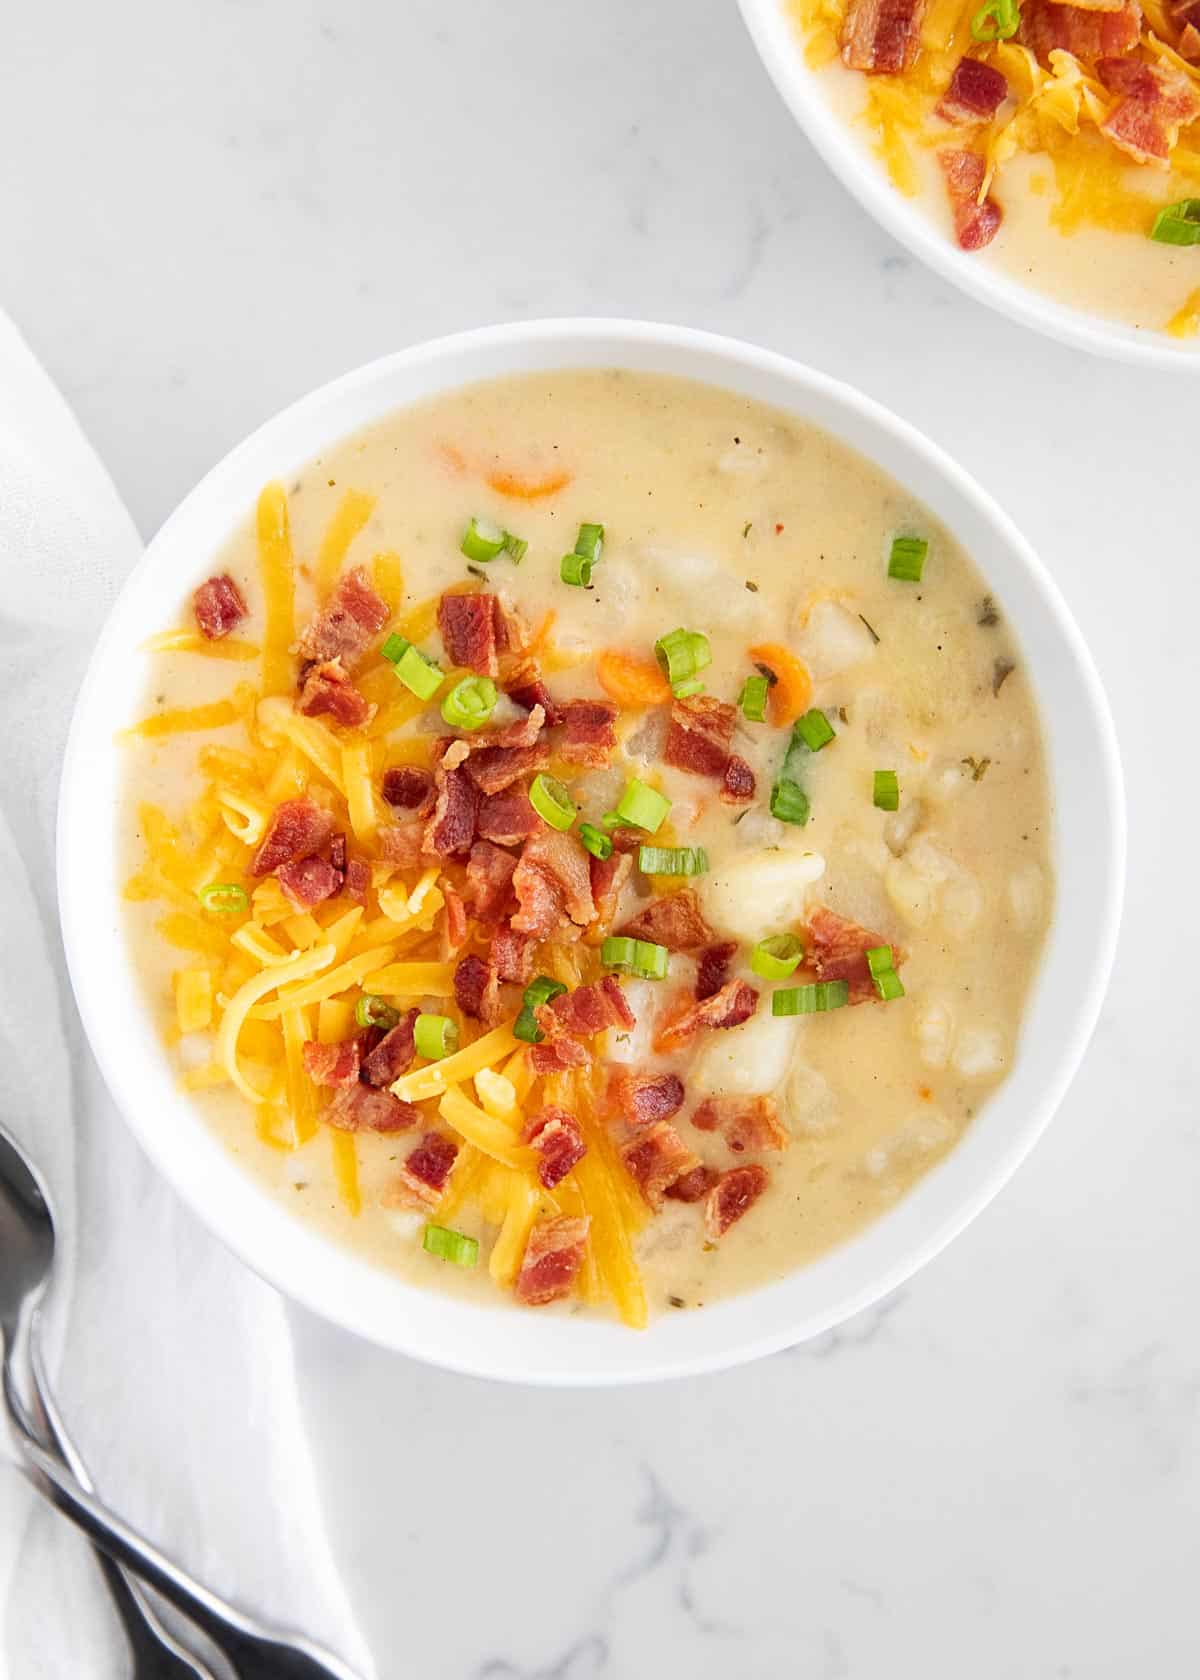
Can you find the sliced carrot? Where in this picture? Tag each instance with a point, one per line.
(791, 692)
(630, 681)
(527, 489)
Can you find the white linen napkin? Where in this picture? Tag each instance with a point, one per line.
(172, 1363)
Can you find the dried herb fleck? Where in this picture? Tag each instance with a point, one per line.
(752, 586)
(677, 1300)
(988, 616)
(1001, 671)
(874, 634)
(477, 571)
(747, 527)
(843, 714)
(978, 767)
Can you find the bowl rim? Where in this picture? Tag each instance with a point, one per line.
(311, 1268)
(781, 53)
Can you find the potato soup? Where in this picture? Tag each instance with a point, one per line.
(589, 843)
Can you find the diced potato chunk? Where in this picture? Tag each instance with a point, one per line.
(749, 897)
(979, 1052)
(746, 1061)
(833, 640)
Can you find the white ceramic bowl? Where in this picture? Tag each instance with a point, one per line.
(528, 1346)
(847, 154)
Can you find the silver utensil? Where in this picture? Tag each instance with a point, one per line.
(49, 1461)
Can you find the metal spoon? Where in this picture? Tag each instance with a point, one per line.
(254, 1652)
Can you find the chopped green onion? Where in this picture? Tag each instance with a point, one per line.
(753, 698)
(589, 544)
(682, 654)
(371, 1011)
(811, 1000)
(418, 674)
(1178, 224)
(552, 801)
(681, 690)
(525, 1027)
(541, 990)
(998, 20)
(595, 841)
(639, 956)
(776, 957)
(483, 539)
(515, 547)
(576, 569)
(789, 802)
(470, 703)
(394, 648)
(814, 729)
(642, 806)
(907, 559)
(435, 1036)
(672, 860)
(449, 1245)
(887, 790)
(224, 898)
(883, 971)
(612, 819)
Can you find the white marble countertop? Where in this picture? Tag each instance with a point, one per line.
(207, 209)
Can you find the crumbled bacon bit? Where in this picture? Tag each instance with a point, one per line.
(488, 888)
(699, 736)
(512, 632)
(426, 1172)
(468, 627)
(451, 826)
(712, 968)
(477, 990)
(327, 689)
(556, 1136)
(337, 853)
(553, 1256)
(512, 956)
(733, 1004)
(627, 839)
(734, 1194)
(526, 688)
(456, 921)
(836, 949)
(738, 783)
(1155, 102)
(308, 881)
(507, 818)
(882, 35)
(590, 731)
(694, 1185)
(358, 878)
(674, 921)
(400, 843)
(609, 876)
(1088, 34)
(393, 1054)
(587, 1010)
(975, 224)
(365, 1109)
(748, 1124)
(409, 787)
(976, 92)
(553, 871)
(655, 1158)
(297, 828)
(335, 1065)
(218, 606)
(345, 627)
(557, 1056)
(643, 1098)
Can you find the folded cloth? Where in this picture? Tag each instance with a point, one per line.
(171, 1362)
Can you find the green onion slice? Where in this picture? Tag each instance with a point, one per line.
(753, 698)
(887, 790)
(470, 703)
(811, 1000)
(642, 806)
(394, 648)
(576, 569)
(814, 729)
(595, 841)
(589, 544)
(371, 1011)
(638, 956)
(681, 690)
(882, 966)
(672, 860)
(776, 957)
(789, 802)
(1178, 224)
(525, 1027)
(907, 558)
(418, 674)
(224, 898)
(435, 1036)
(515, 547)
(612, 819)
(998, 20)
(552, 801)
(681, 654)
(483, 539)
(450, 1245)
(541, 990)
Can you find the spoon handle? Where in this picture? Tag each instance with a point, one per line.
(254, 1654)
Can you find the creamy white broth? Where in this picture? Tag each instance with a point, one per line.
(727, 517)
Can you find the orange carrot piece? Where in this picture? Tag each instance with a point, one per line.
(630, 681)
(791, 692)
(527, 489)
